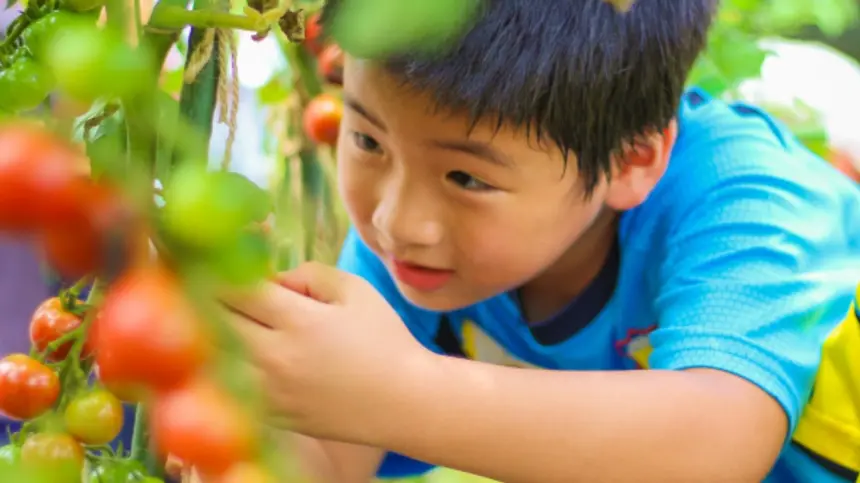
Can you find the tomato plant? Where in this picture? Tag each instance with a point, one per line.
(148, 333)
(28, 388)
(94, 417)
(204, 427)
(322, 119)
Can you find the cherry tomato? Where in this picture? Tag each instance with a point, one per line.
(93, 240)
(148, 333)
(40, 184)
(57, 453)
(209, 209)
(117, 471)
(313, 33)
(247, 473)
(90, 62)
(50, 322)
(94, 417)
(24, 85)
(202, 426)
(322, 118)
(330, 64)
(28, 388)
(40, 35)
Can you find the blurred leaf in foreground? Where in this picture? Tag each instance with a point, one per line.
(378, 28)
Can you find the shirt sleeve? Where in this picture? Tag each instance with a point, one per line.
(754, 275)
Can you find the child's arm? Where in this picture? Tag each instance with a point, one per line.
(335, 462)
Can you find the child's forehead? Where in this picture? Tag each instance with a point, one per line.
(384, 99)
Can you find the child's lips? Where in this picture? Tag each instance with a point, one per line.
(421, 278)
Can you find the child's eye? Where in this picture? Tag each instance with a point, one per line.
(365, 142)
(468, 182)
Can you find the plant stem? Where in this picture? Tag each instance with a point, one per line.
(176, 18)
(198, 98)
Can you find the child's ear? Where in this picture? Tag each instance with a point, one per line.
(639, 169)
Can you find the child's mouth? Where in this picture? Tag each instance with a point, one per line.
(421, 278)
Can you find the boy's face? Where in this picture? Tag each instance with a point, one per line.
(456, 217)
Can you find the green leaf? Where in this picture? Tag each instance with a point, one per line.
(379, 28)
(273, 92)
(737, 56)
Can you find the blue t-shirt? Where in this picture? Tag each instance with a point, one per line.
(743, 259)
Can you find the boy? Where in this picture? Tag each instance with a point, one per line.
(546, 196)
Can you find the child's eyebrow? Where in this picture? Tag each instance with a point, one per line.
(363, 112)
(477, 149)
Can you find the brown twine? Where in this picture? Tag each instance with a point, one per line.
(227, 94)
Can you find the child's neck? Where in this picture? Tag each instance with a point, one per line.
(554, 289)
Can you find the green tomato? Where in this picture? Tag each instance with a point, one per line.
(51, 29)
(245, 261)
(90, 62)
(208, 210)
(24, 85)
(117, 471)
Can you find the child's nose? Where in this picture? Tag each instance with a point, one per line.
(407, 224)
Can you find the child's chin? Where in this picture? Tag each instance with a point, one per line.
(445, 299)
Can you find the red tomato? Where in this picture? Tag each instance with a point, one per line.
(203, 427)
(313, 33)
(55, 452)
(40, 182)
(148, 334)
(50, 322)
(94, 417)
(330, 64)
(28, 388)
(322, 119)
(84, 245)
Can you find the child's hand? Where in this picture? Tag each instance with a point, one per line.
(333, 355)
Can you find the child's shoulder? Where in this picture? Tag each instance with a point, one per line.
(733, 157)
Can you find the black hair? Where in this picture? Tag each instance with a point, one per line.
(577, 72)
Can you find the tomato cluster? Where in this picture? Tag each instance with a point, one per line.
(141, 335)
(151, 346)
(44, 191)
(323, 114)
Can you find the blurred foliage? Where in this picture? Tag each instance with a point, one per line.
(734, 53)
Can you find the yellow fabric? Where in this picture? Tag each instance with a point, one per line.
(830, 423)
